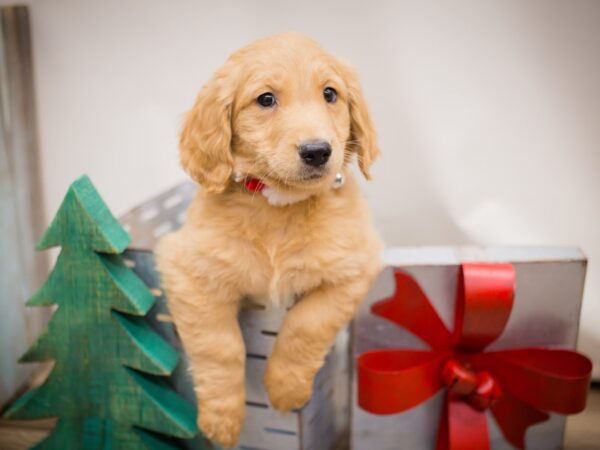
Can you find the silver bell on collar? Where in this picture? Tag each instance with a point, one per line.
(338, 182)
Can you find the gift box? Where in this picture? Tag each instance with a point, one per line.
(321, 424)
(469, 348)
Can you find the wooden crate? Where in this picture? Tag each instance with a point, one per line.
(323, 423)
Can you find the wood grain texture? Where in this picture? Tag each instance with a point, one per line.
(21, 209)
(24, 434)
(108, 387)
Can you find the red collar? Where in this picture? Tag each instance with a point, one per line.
(254, 184)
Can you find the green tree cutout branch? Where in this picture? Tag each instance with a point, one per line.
(107, 387)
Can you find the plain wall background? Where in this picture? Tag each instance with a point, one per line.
(488, 112)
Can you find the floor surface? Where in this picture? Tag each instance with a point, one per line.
(583, 430)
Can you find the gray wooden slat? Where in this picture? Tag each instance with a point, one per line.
(255, 390)
(325, 420)
(259, 328)
(147, 222)
(267, 429)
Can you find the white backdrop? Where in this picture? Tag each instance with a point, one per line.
(488, 112)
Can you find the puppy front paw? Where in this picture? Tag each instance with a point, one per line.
(221, 420)
(288, 386)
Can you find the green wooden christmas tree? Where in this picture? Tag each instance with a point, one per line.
(107, 387)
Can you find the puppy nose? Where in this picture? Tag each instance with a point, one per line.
(315, 153)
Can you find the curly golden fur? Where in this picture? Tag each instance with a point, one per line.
(321, 251)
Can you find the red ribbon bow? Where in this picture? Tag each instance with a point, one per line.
(518, 386)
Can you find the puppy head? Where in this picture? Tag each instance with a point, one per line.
(281, 110)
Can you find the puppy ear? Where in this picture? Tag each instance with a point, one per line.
(363, 139)
(205, 142)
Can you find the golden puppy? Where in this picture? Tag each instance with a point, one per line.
(269, 139)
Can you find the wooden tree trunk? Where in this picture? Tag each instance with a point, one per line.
(21, 214)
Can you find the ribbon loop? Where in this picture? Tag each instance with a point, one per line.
(391, 381)
(484, 301)
(550, 380)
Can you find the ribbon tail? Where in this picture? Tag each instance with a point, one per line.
(514, 417)
(443, 441)
(462, 427)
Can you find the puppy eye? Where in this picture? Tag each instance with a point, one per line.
(266, 100)
(330, 95)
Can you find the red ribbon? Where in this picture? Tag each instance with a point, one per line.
(518, 386)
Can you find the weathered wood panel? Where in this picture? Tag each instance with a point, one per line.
(21, 212)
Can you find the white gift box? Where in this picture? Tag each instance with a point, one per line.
(549, 289)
